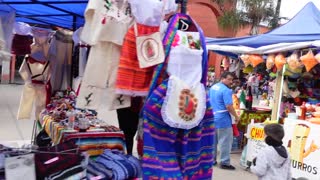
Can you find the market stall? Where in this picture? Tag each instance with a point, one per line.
(290, 53)
(289, 37)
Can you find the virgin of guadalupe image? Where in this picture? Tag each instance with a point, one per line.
(149, 50)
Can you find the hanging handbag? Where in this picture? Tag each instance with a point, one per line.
(149, 47)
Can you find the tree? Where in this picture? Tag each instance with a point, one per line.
(249, 12)
(276, 18)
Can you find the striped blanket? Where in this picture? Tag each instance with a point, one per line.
(94, 141)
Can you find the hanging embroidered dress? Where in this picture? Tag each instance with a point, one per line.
(106, 25)
(60, 57)
(180, 147)
(36, 90)
(131, 79)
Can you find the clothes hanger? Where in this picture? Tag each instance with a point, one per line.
(184, 24)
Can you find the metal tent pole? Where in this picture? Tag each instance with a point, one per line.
(183, 5)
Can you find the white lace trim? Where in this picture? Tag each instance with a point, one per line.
(169, 117)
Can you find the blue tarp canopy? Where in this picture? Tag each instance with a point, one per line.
(61, 13)
(303, 27)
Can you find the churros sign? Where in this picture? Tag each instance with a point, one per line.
(302, 140)
(257, 133)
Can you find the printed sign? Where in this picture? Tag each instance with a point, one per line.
(302, 139)
(255, 135)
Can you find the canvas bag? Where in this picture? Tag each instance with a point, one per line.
(149, 47)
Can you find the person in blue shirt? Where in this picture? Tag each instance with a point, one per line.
(220, 96)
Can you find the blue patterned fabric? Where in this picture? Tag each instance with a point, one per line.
(116, 165)
(95, 169)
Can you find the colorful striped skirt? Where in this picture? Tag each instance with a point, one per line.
(131, 79)
(171, 153)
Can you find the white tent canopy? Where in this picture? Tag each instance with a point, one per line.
(274, 48)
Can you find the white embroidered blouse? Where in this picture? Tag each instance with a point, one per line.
(106, 21)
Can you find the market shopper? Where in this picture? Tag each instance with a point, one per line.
(221, 100)
(273, 162)
(254, 81)
(128, 119)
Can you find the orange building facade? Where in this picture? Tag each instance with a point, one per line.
(206, 14)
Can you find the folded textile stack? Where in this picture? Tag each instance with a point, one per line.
(114, 165)
(63, 161)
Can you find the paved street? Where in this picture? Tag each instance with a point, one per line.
(14, 131)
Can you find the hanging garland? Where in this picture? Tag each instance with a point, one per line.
(294, 62)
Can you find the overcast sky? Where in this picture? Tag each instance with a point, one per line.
(289, 8)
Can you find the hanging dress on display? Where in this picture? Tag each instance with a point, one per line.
(131, 79)
(7, 21)
(79, 59)
(60, 56)
(36, 75)
(106, 25)
(40, 45)
(177, 116)
(21, 44)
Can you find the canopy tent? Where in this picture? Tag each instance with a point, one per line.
(302, 31)
(62, 13)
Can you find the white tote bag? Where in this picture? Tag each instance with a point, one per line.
(149, 49)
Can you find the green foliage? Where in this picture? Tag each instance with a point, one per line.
(229, 20)
(252, 12)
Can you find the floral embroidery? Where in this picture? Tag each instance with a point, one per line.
(187, 105)
(128, 11)
(184, 40)
(120, 98)
(176, 41)
(108, 4)
(88, 99)
(193, 44)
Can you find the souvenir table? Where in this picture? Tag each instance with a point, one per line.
(259, 115)
(94, 140)
(62, 122)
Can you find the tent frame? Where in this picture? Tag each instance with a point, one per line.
(50, 4)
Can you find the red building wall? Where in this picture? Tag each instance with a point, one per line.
(206, 13)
